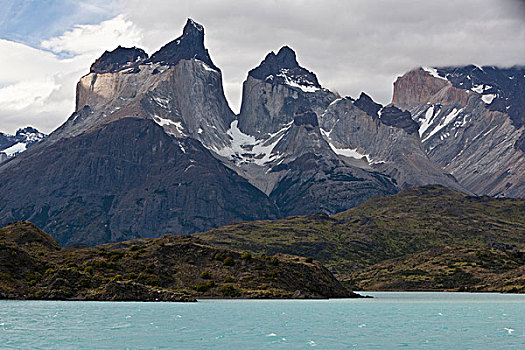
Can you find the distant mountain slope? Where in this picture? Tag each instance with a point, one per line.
(125, 180)
(471, 123)
(414, 221)
(171, 268)
(11, 145)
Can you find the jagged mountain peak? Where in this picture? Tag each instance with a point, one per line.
(189, 45)
(118, 59)
(282, 68)
(285, 58)
(393, 116)
(366, 104)
(193, 27)
(27, 130)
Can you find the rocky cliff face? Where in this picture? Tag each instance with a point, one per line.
(277, 142)
(130, 161)
(275, 90)
(183, 94)
(382, 139)
(126, 179)
(470, 123)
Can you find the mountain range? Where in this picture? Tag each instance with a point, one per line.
(11, 145)
(153, 147)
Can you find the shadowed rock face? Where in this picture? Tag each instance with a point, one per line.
(125, 180)
(306, 118)
(393, 116)
(465, 129)
(118, 59)
(367, 105)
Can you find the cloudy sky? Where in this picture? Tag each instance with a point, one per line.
(352, 46)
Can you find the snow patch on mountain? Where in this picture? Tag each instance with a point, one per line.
(433, 72)
(488, 98)
(299, 82)
(427, 120)
(446, 121)
(15, 149)
(11, 145)
(206, 67)
(347, 152)
(245, 149)
(168, 122)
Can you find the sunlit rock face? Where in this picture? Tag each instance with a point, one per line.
(470, 123)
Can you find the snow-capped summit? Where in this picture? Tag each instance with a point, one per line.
(283, 68)
(11, 145)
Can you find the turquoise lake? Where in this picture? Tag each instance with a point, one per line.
(389, 321)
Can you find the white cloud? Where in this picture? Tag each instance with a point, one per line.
(85, 39)
(37, 87)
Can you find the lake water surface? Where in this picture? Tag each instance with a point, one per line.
(389, 321)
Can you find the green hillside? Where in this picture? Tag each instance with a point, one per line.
(171, 268)
(428, 220)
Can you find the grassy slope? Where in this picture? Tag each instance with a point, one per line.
(355, 243)
(171, 268)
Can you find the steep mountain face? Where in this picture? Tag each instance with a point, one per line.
(126, 179)
(381, 138)
(183, 94)
(130, 161)
(277, 142)
(11, 145)
(471, 123)
(275, 90)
